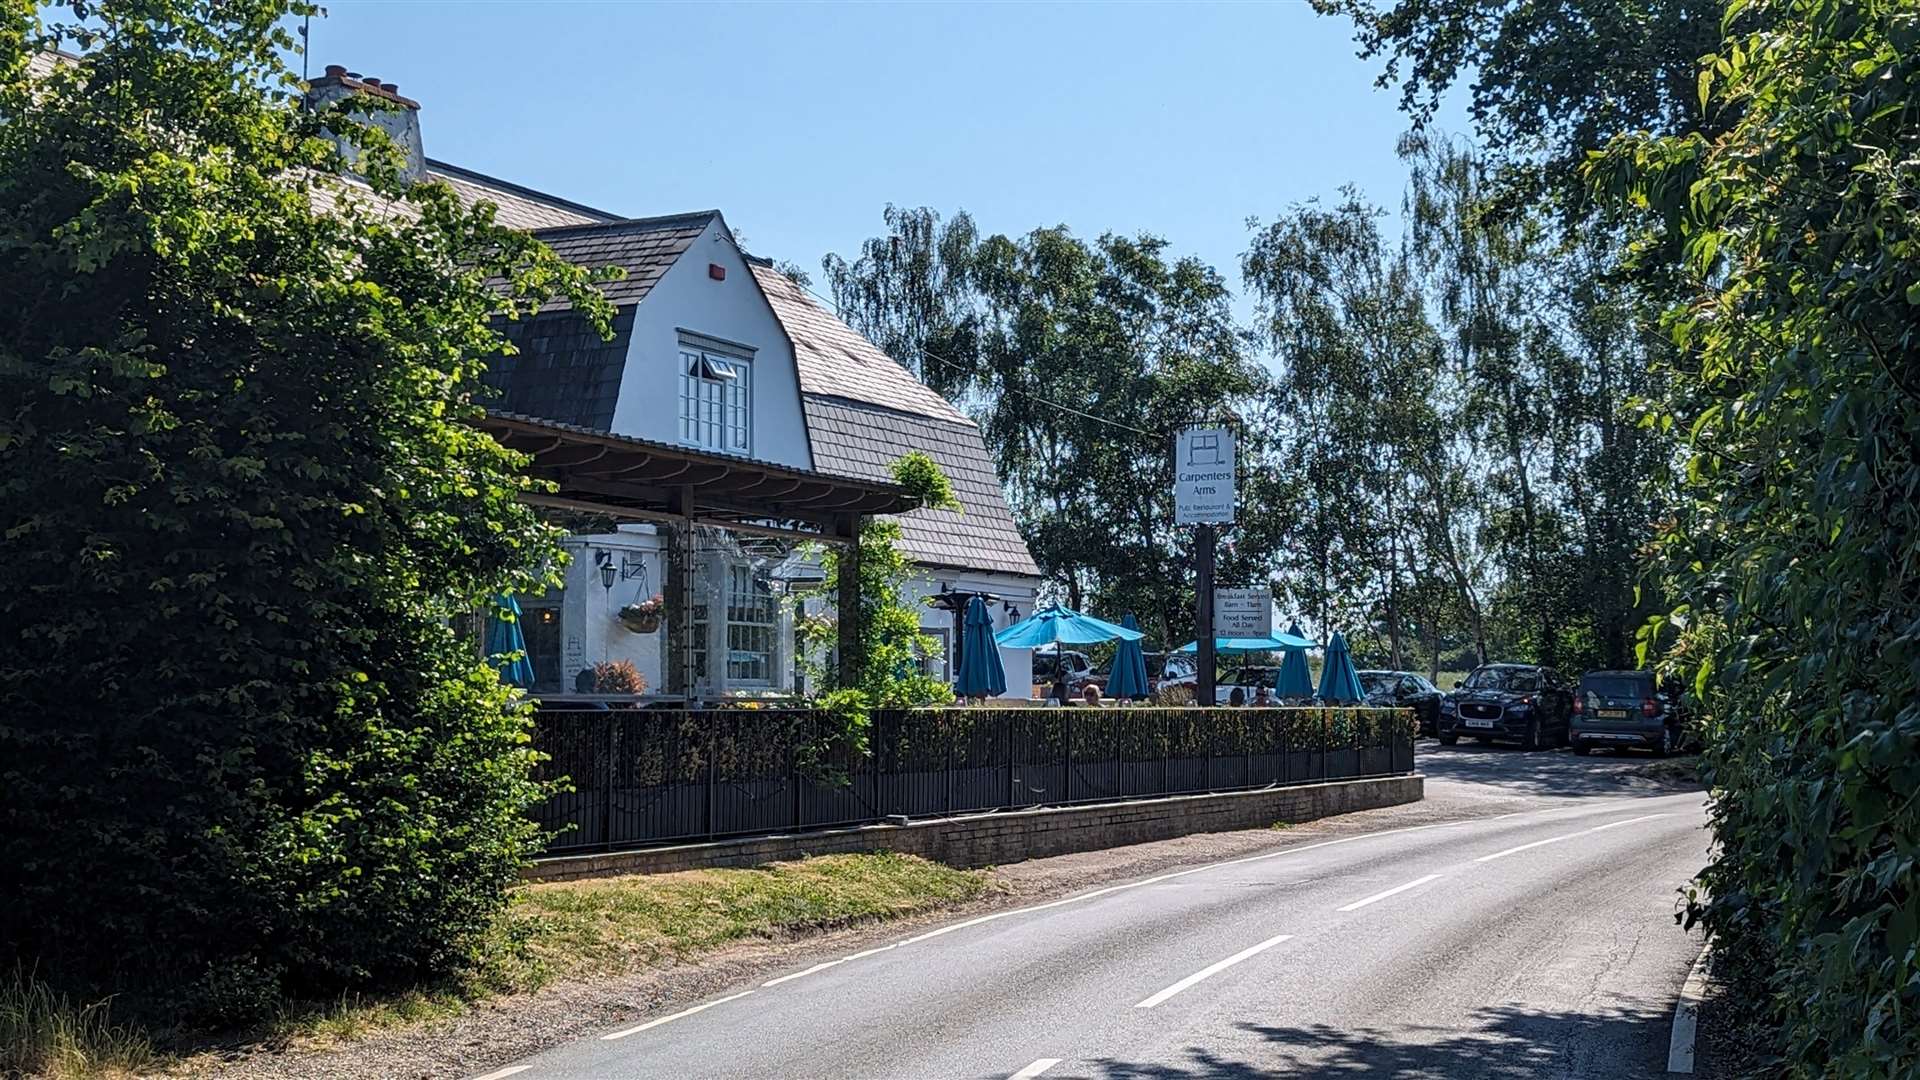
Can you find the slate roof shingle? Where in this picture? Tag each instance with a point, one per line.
(646, 247)
(563, 370)
(858, 439)
(835, 359)
(518, 207)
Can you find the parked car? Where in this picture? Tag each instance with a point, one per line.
(1406, 689)
(1079, 669)
(1522, 703)
(1625, 709)
(1247, 680)
(1170, 669)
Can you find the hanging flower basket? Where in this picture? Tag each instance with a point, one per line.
(644, 617)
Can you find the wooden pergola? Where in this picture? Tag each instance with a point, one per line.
(633, 479)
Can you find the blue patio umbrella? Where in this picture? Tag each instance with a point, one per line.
(1274, 643)
(1129, 676)
(1294, 681)
(503, 637)
(981, 674)
(1062, 626)
(1338, 680)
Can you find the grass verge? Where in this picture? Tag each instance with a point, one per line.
(611, 926)
(44, 1034)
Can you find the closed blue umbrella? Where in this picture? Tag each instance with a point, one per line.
(1338, 680)
(1062, 626)
(506, 646)
(981, 673)
(1294, 681)
(1129, 676)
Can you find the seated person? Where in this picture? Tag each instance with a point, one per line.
(1091, 695)
(1238, 697)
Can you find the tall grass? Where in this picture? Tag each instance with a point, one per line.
(43, 1034)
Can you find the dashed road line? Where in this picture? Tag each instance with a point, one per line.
(1396, 890)
(1213, 969)
(1035, 1069)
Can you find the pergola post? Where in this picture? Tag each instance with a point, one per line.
(677, 591)
(853, 660)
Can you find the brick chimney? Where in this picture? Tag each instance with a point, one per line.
(399, 117)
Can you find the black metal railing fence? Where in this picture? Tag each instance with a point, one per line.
(645, 776)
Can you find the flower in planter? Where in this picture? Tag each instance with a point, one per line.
(644, 617)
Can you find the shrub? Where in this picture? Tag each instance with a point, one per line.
(241, 503)
(618, 677)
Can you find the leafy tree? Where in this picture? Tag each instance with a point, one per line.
(1549, 82)
(1359, 369)
(1795, 549)
(241, 503)
(1079, 359)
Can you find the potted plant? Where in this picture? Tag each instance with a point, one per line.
(643, 617)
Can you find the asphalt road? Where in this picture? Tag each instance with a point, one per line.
(1536, 943)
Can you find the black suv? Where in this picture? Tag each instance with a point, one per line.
(1623, 709)
(1407, 690)
(1523, 703)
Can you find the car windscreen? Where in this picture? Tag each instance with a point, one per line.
(1257, 676)
(1617, 686)
(1493, 678)
(1377, 682)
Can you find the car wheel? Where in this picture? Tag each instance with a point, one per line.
(1532, 741)
(1582, 749)
(1449, 740)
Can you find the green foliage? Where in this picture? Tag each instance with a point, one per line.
(1079, 359)
(924, 482)
(1798, 544)
(891, 640)
(241, 503)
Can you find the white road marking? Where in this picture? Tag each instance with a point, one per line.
(1212, 969)
(1525, 847)
(1164, 877)
(1379, 896)
(803, 974)
(1686, 1016)
(1629, 821)
(502, 1074)
(1035, 1069)
(1568, 836)
(675, 1016)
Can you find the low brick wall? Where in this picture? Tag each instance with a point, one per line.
(996, 839)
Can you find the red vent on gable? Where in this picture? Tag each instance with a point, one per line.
(716, 272)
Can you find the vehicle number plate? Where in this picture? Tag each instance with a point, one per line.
(1614, 714)
(1480, 723)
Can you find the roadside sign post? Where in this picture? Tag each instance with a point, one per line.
(1203, 496)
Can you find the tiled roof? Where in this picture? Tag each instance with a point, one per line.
(854, 438)
(647, 247)
(519, 207)
(835, 359)
(563, 370)
(41, 62)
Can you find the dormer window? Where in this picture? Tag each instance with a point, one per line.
(716, 396)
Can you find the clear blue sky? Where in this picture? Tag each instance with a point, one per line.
(800, 122)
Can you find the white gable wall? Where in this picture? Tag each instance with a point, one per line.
(687, 298)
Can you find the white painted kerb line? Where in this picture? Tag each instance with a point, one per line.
(502, 1074)
(1379, 896)
(1035, 1069)
(824, 965)
(704, 1006)
(1211, 970)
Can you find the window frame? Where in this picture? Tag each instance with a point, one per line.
(715, 395)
